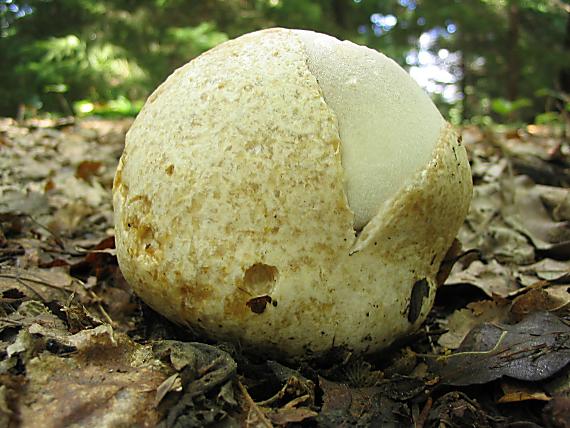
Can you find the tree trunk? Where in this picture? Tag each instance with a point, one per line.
(565, 82)
(464, 102)
(565, 72)
(340, 13)
(464, 65)
(513, 63)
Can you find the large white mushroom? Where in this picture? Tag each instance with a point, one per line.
(291, 192)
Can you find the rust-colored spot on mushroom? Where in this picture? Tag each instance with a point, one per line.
(260, 278)
(143, 202)
(131, 222)
(258, 304)
(118, 180)
(170, 169)
(145, 233)
(149, 249)
(196, 205)
(420, 291)
(234, 305)
(124, 190)
(194, 293)
(335, 143)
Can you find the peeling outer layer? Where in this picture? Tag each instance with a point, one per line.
(439, 195)
(416, 228)
(231, 216)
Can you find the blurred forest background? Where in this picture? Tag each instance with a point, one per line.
(78, 348)
(483, 61)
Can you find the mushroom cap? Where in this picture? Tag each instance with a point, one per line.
(232, 212)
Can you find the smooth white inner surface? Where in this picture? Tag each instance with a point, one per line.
(387, 124)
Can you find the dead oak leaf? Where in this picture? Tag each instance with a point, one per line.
(101, 389)
(492, 278)
(535, 300)
(344, 407)
(460, 322)
(516, 391)
(534, 349)
(529, 215)
(547, 269)
(87, 169)
(291, 415)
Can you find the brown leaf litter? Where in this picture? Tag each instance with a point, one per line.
(77, 348)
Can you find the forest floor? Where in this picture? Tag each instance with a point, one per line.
(77, 347)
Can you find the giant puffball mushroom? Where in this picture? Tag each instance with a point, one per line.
(290, 192)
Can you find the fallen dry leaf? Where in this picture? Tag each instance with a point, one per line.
(456, 409)
(534, 300)
(557, 412)
(547, 269)
(291, 416)
(104, 387)
(492, 278)
(344, 406)
(529, 216)
(62, 298)
(515, 392)
(534, 349)
(462, 321)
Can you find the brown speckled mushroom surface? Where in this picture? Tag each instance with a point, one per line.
(232, 211)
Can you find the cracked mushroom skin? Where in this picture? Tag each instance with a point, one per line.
(234, 213)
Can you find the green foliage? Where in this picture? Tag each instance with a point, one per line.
(70, 66)
(506, 108)
(508, 53)
(119, 107)
(102, 51)
(189, 42)
(548, 118)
